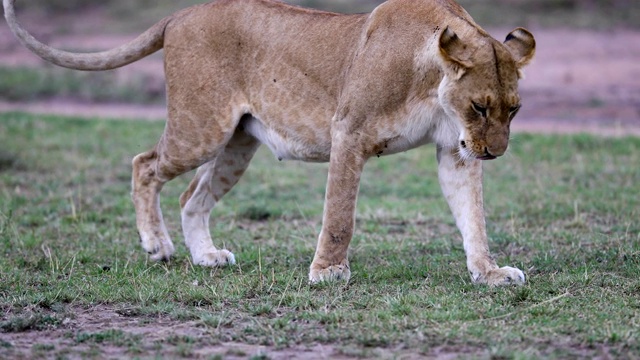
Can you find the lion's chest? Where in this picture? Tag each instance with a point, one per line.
(419, 124)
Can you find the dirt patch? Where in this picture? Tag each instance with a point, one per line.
(67, 107)
(582, 81)
(83, 332)
(110, 333)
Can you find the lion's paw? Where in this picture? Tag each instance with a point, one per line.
(503, 276)
(215, 258)
(331, 273)
(158, 249)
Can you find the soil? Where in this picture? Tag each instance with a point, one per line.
(153, 332)
(160, 337)
(581, 81)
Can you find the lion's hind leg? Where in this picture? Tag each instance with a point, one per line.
(211, 182)
(183, 146)
(146, 186)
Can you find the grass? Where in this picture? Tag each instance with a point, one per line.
(28, 84)
(563, 208)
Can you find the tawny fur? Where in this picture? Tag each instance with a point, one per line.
(319, 86)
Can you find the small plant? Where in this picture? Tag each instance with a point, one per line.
(7, 160)
(111, 336)
(30, 322)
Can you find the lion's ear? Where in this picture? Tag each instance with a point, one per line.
(454, 52)
(522, 46)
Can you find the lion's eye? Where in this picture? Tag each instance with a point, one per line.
(513, 110)
(479, 109)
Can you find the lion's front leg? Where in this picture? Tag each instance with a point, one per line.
(461, 183)
(330, 261)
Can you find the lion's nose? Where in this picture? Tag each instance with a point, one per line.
(497, 141)
(497, 149)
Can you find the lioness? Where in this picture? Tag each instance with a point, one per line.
(319, 86)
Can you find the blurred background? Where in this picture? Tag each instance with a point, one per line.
(586, 75)
(579, 13)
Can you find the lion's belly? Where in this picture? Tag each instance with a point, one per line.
(310, 140)
(302, 142)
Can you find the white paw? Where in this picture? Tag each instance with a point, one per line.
(158, 249)
(332, 273)
(215, 258)
(503, 276)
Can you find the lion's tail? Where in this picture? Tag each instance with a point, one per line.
(147, 43)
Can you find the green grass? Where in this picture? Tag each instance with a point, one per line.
(563, 208)
(27, 84)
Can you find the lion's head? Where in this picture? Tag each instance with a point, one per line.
(480, 88)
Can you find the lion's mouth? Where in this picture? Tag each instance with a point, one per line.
(486, 157)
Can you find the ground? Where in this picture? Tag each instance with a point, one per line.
(580, 81)
(101, 319)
